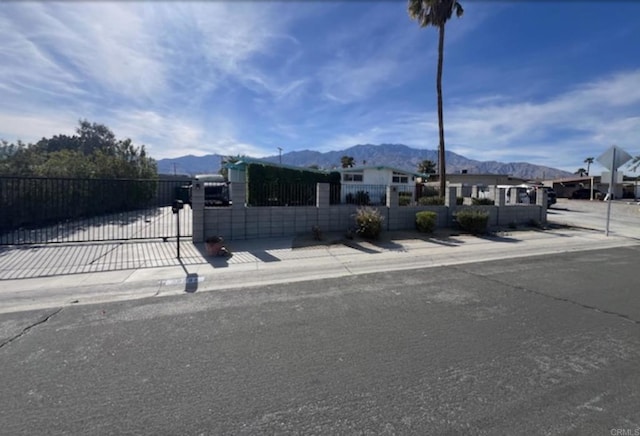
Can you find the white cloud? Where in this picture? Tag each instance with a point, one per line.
(242, 78)
(595, 114)
(30, 128)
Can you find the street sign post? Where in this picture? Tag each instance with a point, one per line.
(612, 159)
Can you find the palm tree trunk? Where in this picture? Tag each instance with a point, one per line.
(441, 160)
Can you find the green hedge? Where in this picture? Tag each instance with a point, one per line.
(431, 201)
(482, 202)
(269, 185)
(473, 221)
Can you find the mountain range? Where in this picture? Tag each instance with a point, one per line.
(393, 155)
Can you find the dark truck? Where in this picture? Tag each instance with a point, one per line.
(216, 190)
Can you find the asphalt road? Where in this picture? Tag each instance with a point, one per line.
(541, 345)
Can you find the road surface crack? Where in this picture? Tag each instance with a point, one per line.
(556, 298)
(29, 327)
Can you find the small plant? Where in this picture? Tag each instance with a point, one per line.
(482, 202)
(459, 201)
(404, 198)
(215, 246)
(473, 221)
(426, 221)
(360, 198)
(429, 191)
(431, 201)
(368, 222)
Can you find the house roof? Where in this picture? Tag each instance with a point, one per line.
(476, 175)
(378, 167)
(575, 179)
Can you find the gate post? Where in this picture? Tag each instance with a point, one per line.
(197, 210)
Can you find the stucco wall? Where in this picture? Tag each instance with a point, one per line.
(241, 222)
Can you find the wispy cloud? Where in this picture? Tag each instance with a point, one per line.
(247, 77)
(495, 127)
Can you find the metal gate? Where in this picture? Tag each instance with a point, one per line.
(37, 210)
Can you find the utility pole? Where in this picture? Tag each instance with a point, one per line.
(280, 151)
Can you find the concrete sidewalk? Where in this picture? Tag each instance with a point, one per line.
(59, 275)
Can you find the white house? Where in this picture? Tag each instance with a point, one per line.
(373, 181)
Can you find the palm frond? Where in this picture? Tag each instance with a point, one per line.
(433, 12)
(459, 10)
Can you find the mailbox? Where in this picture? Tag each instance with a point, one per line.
(177, 205)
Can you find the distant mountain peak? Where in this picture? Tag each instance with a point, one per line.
(393, 155)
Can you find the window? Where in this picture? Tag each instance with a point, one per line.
(352, 177)
(400, 178)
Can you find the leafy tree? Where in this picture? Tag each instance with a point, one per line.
(427, 167)
(93, 152)
(347, 161)
(19, 159)
(589, 161)
(67, 163)
(224, 171)
(581, 172)
(436, 13)
(58, 143)
(92, 137)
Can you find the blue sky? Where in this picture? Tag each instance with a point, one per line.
(549, 83)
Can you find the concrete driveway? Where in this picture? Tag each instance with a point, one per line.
(624, 220)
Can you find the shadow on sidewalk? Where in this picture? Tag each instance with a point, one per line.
(191, 280)
(34, 261)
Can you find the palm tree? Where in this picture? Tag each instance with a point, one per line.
(589, 161)
(436, 13)
(347, 161)
(581, 172)
(427, 167)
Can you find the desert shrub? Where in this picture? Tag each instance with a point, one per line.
(404, 198)
(431, 201)
(482, 202)
(369, 222)
(426, 221)
(473, 221)
(404, 201)
(429, 191)
(360, 198)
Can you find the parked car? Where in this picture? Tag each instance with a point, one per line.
(585, 194)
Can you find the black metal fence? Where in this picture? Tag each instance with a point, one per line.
(36, 210)
(301, 194)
